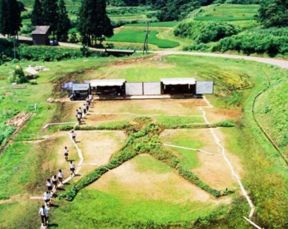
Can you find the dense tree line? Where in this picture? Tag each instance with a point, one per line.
(273, 13)
(54, 14)
(205, 32)
(94, 24)
(10, 17)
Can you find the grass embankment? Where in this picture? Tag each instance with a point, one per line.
(241, 15)
(271, 111)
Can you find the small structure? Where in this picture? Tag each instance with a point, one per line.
(119, 52)
(41, 34)
(108, 87)
(79, 91)
(176, 86)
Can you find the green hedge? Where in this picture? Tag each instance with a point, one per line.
(204, 32)
(272, 41)
(143, 138)
(48, 53)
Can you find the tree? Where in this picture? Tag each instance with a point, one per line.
(94, 24)
(37, 16)
(177, 9)
(63, 23)
(10, 17)
(50, 14)
(273, 13)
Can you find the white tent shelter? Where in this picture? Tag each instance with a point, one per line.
(178, 81)
(107, 83)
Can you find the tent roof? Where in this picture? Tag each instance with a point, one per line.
(41, 29)
(80, 87)
(107, 82)
(178, 81)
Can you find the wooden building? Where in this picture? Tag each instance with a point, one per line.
(41, 34)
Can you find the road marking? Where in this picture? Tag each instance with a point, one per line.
(188, 148)
(233, 172)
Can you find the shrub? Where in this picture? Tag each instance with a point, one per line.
(18, 76)
(204, 32)
(48, 53)
(272, 41)
(5, 132)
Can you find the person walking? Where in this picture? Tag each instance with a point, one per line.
(47, 198)
(72, 168)
(42, 215)
(73, 135)
(84, 109)
(49, 185)
(46, 212)
(66, 153)
(78, 117)
(54, 181)
(60, 176)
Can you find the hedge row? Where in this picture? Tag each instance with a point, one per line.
(204, 32)
(272, 41)
(143, 138)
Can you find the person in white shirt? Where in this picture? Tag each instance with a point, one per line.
(54, 181)
(60, 176)
(49, 184)
(43, 215)
(46, 212)
(66, 153)
(72, 168)
(73, 135)
(47, 198)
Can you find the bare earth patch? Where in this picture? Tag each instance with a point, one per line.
(18, 120)
(128, 182)
(218, 114)
(98, 146)
(149, 107)
(54, 145)
(212, 169)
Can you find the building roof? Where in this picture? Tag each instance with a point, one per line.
(80, 87)
(178, 81)
(41, 29)
(107, 82)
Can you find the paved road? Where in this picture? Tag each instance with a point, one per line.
(273, 61)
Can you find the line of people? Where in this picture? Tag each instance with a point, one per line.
(82, 111)
(56, 181)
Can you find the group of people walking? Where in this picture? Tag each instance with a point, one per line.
(82, 111)
(51, 184)
(56, 181)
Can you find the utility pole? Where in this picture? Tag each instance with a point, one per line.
(145, 47)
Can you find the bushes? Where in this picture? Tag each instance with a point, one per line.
(204, 32)
(47, 53)
(5, 132)
(18, 76)
(272, 41)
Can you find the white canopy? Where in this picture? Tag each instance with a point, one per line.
(178, 81)
(107, 82)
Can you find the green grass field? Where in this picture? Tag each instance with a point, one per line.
(242, 15)
(138, 36)
(265, 174)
